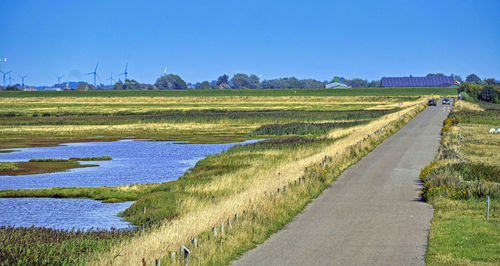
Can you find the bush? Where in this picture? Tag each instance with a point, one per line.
(489, 94)
(448, 123)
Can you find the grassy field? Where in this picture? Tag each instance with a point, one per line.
(311, 141)
(262, 92)
(457, 183)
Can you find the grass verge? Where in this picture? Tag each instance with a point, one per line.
(457, 183)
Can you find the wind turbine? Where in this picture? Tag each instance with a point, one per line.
(59, 79)
(111, 79)
(162, 74)
(95, 74)
(125, 73)
(4, 74)
(22, 78)
(10, 78)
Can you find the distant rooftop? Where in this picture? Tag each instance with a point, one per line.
(410, 81)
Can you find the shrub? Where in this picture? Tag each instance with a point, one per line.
(448, 123)
(489, 94)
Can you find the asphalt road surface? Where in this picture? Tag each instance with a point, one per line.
(371, 215)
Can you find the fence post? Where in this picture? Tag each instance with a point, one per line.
(195, 242)
(215, 231)
(158, 262)
(487, 208)
(222, 228)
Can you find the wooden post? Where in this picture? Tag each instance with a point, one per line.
(195, 242)
(215, 231)
(235, 217)
(144, 210)
(222, 228)
(487, 208)
(229, 223)
(158, 262)
(285, 189)
(213, 200)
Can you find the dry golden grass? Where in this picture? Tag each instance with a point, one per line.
(248, 187)
(108, 105)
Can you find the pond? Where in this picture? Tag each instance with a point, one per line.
(64, 214)
(134, 161)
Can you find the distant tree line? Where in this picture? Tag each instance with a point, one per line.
(244, 81)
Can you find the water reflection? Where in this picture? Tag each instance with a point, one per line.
(133, 162)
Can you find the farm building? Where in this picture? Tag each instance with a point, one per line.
(85, 87)
(443, 81)
(336, 85)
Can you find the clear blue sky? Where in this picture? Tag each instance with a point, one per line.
(200, 40)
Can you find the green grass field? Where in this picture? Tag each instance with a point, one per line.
(457, 183)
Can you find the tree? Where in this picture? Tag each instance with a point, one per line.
(336, 79)
(473, 78)
(357, 83)
(119, 85)
(488, 94)
(240, 81)
(205, 85)
(490, 81)
(222, 80)
(436, 75)
(374, 84)
(170, 82)
(311, 84)
(129, 84)
(254, 82)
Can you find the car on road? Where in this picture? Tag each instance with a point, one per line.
(432, 102)
(446, 101)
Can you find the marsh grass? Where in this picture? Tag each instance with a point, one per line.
(104, 194)
(242, 178)
(204, 204)
(39, 167)
(43, 246)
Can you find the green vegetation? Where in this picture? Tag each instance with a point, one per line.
(105, 194)
(457, 183)
(99, 158)
(39, 166)
(46, 165)
(43, 246)
(243, 92)
(306, 130)
(460, 234)
(302, 128)
(486, 93)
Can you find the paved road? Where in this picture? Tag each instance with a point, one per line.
(371, 214)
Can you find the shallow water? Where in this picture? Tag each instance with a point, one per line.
(134, 161)
(62, 213)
